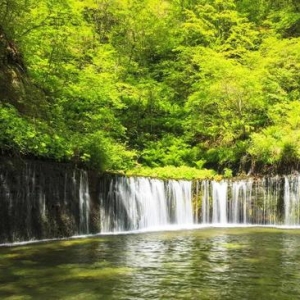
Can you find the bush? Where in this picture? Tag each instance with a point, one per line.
(172, 172)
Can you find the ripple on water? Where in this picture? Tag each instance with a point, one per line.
(206, 263)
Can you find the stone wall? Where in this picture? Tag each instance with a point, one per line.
(40, 200)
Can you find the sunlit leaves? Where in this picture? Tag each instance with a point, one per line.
(226, 99)
(182, 82)
(219, 26)
(281, 59)
(279, 142)
(26, 136)
(168, 151)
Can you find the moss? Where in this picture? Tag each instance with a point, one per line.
(171, 172)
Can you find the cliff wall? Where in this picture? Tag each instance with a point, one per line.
(41, 200)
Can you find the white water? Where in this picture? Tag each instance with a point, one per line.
(148, 204)
(144, 203)
(292, 201)
(205, 201)
(238, 202)
(219, 192)
(241, 202)
(84, 204)
(265, 201)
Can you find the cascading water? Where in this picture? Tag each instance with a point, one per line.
(40, 200)
(292, 201)
(219, 191)
(84, 204)
(241, 202)
(180, 198)
(265, 201)
(141, 203)
(205, 201)
(144, 203)
(44, 200)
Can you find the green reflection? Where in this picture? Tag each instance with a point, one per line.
(236, 263)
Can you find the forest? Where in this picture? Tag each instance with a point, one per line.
(152, 86)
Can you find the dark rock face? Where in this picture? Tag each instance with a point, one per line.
(40, 200)
(12, 72)
(16, 88)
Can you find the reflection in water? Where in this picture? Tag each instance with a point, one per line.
(244, 263)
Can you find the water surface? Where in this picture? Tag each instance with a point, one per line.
(212, 263)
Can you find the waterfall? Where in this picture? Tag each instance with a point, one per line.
(292, 201)
(205, 201)
(228, 202)
(141, 203)
(84, 203)
(240, 209)
(219, 191)
(180, 195)
(263, 201)
(40, 200)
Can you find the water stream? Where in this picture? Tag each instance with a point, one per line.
(265, 201)
(42, 202)
(144, 203)
(141, 203)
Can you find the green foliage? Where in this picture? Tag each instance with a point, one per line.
(173, 172)
(154, 83)
(26, 136)
(101, 153)
(226, 106)
(279, 142)
(227, 173)
(168, 151)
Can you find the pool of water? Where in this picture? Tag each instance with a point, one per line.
(212, 263)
